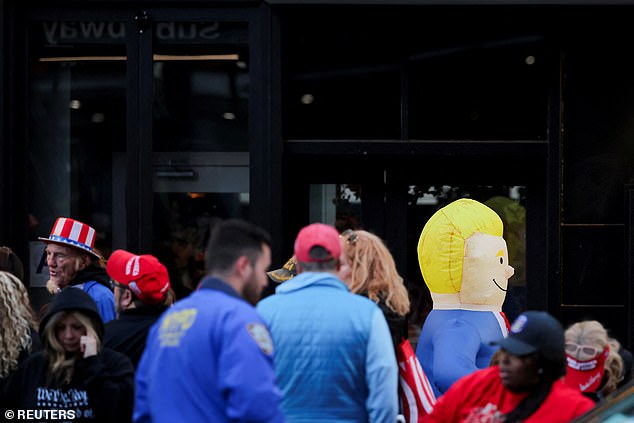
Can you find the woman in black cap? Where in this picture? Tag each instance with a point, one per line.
(73, 378)
(525, 385)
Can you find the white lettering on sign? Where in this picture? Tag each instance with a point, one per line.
(210, 32)
(64, 32)
(185, 31)
(56, 32)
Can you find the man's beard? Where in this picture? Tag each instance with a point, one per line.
(52, 287)
(251, 292)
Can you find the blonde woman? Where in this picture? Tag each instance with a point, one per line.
(592, 366)
(372, 273)
(73, 377)
(17, 325)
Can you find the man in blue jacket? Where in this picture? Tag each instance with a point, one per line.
(209, 358)
(334, 356)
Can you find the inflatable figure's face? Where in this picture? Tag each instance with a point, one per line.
(485, 271)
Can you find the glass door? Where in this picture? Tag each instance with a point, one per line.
(200, 152)
(77, 104)
(138, 125)
(395, 199)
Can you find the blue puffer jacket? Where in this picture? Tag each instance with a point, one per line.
(334, 358)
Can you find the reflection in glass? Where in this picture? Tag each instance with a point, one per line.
(182, 224)
(201, 140)
(77, 111)
(201, 87)
(590, 254)
(336, 204)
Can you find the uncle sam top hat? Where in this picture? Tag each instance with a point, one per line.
(72, 233)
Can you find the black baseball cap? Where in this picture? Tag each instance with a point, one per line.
(532, 332)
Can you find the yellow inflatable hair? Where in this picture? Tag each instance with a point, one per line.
(442, 242)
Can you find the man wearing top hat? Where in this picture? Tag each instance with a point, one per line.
(70, 257)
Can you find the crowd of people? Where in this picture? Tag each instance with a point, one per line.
(114, 345)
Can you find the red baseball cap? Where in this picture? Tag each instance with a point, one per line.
(144, 275)
(314, 235)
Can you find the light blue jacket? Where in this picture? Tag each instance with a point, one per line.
(334, 358)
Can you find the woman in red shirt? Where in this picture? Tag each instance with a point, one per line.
(525, 386)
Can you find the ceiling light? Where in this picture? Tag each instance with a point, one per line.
(98, 118)
(155, 57)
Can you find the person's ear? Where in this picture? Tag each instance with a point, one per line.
(243, 266)
(125, 298)
(81, 262)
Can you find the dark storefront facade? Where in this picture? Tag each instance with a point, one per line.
(151, 120)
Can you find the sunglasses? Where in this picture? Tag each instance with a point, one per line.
(116, 284)
(350, 236)
(586, 350)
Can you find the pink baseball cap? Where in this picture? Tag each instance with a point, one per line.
(317, 235)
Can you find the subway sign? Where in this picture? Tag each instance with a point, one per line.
(58, 33)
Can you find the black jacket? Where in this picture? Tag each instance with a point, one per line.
(102, 386)
(36, 346)
(101, 390)
(395, 322)
(128, 333)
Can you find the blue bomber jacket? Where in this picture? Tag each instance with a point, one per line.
(209, 358)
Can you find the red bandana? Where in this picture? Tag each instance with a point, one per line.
(586, 375)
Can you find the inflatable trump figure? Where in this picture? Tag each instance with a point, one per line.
(464, 261)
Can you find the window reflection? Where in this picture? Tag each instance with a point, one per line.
(391, 76)
(200, 106)
(77, 138)
(337, 204)
(201, 140)
(182, 224)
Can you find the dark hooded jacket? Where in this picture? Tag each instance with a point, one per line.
(101, 388)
